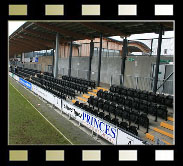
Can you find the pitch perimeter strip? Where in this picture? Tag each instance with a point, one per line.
(44, 117)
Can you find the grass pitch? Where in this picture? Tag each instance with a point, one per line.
(27, 126)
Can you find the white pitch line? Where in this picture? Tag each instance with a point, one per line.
(44, 117)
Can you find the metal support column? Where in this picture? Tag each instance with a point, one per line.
(99, 61)
(124, 55)
(158, 59)
(90, 58)
(70, 59)
(151, 47)
(53, 61)
(56, 56)
(23, 57)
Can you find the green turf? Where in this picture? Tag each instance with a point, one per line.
(27, 126)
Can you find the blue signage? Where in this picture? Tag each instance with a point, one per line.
(100, 125)
(36, 59)
(25, 83)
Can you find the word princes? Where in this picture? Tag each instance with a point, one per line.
(105, 128)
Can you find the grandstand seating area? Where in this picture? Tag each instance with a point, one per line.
(124, 107)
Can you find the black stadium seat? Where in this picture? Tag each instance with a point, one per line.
(107, 118)
(152, 108)
(124, 125)
(95, 102)
(152, 97)
(100, 104)
(169, 101)
(160, 99)
(128, 101)
(90, 100)
(112, 108)
(106, 106)
(101, 115)
(144, 121)
(162, 111)
(115, 121)
(119, 110)
(143, 106)
(133, 130)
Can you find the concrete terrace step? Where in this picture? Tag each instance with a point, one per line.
(152, 138)
(167, 126)
(95, 90)
(171, 119)
(104, 89)
(163, 132)
(161, 136)
(86, 96)
(73, 101)
(91, 93)
(82, 99)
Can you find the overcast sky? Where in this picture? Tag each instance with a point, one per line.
(14, 25)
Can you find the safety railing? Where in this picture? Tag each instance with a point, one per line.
(143, 83)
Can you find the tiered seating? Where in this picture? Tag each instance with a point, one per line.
(88, 83)
(145, 100)
(25, 73)
(131, 107)
(143, 95)
(113, 108)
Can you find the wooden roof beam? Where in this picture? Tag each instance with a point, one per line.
(46, 36)
(71, 34)
(14, 48)
(31, 43)
(167, 24)
(18, 44)
(23, 44)
(20, 50)
(37, 40)
(104, 29)
(43, 35)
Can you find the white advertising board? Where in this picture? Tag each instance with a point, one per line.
(44, 94)
(57, 102)
(10, 74)
(16, 77)
(99, 126)
(26, 59)
(126, 139)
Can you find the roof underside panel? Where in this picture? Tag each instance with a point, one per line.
(34, 36)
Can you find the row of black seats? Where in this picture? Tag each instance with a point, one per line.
(28, 70)
(135, 103)
(144, 95)
(72, 85)
(54, 88)
(77, 87)
(48, 74)
(56, 93)
(88, 83)
(115, 121)
(132, 115)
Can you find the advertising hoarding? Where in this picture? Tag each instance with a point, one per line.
(43, 93)
(99, 126)
(127, 139)
(25, 83)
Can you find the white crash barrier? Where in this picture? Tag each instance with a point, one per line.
(43, 93)
(127, 139)
(99, 126)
